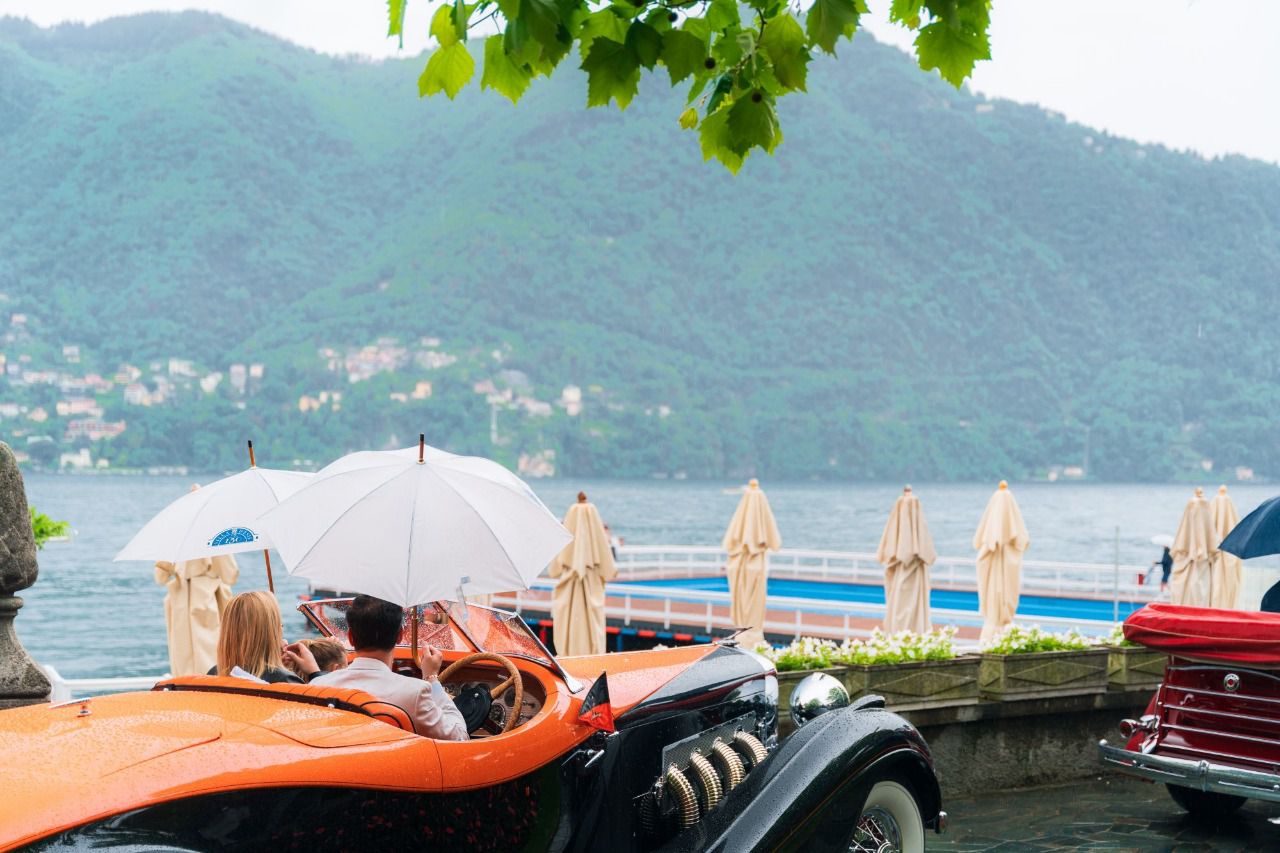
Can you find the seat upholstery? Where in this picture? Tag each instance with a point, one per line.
(342, 698)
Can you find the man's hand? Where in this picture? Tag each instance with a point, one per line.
(429, 660)
(298, 656)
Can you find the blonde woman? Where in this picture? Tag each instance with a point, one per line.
(252, 638)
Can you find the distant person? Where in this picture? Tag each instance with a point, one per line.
(374, 627)
(1166, 568)
(252, 639)
(328, 653)
(615, 542)
(196, 594)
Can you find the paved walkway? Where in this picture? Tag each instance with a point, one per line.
(1110, 812)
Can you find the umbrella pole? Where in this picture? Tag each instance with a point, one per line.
(266, 555)
(413, 634)
(413, 618)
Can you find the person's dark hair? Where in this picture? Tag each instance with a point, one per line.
(373, 624)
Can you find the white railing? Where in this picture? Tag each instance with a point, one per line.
(65, 689)
(710, 611)
(1105, 581)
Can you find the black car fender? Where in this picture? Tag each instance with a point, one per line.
(809, 792)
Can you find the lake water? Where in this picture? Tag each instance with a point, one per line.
(88, 616)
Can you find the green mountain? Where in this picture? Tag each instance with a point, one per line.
(921, 283)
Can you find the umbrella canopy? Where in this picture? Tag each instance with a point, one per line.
(1000, 540)
(906, 552)
(412, 526)
(581, 570)
(220, 518)
(1258, 534)
(1226, 570)
(1193, 549)
(751, 535)
(1164, 540)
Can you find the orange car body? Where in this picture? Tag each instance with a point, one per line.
(71, 764)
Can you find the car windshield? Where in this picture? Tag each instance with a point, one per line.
(446, 625)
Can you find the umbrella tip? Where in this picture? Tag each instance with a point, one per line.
(754, 483)
(1004, 484)
(582, 497)
(1222, 490)
(906, 490)
(1199, 492)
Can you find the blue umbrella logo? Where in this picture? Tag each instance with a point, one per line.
(233, 536)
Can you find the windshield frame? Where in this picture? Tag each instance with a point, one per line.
(446, 607)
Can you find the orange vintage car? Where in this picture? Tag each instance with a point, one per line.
(672, 749)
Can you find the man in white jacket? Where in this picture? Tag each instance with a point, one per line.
(374, 626)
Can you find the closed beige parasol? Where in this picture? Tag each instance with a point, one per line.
(1194, 547)
(581, 570)
(906, 552)
(1000, 541)
(1226, 570)
(751, 535)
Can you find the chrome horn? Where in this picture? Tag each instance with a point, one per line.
(815, 695)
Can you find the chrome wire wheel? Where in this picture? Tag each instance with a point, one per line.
(890, 821)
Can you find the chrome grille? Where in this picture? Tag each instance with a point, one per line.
(1201, 717)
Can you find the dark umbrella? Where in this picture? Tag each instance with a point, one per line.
(1257, 534)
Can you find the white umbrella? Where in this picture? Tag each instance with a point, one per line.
(413, 526)
(220, 518)
(1162, 539)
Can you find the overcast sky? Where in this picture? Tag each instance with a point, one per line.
(1198, 74)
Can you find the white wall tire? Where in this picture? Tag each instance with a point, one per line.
(890, 821)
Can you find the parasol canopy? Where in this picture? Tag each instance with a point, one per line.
(1226, 568)
(751, 535)
(1000, 540)
(413, 526)
(906, 551)
(581, 570)
(220, 518)
(1193, 550)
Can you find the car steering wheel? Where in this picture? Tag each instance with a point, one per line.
(513, 678)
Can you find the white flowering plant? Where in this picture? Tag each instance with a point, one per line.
(1117, 638)
(879, 648)
(902, 647)
(1017, 640)
(804, 653)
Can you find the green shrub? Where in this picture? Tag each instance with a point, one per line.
(45, 528)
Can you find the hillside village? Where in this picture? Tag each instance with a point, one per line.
(62, 410)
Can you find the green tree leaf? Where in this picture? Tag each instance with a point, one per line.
(753, 123)
(645, 42)
(601, 24)
(461, 18)
(906, 12)
(829, 20)
(952, 49)
(448, 70)
(684, 54)
(502, 74)
(722, 14)
(784, 43)
(715, 142)
(395, 19)
(543, 19)
(613, 73)
(442, 26)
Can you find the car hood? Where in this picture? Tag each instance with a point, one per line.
(71, 764)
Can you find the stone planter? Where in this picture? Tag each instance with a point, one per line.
(787, 682)
(1135, 668)
(1043, 675)
(918, 684)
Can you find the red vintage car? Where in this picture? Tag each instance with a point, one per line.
(1212, 731)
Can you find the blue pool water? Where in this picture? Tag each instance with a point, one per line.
(1028, 605)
